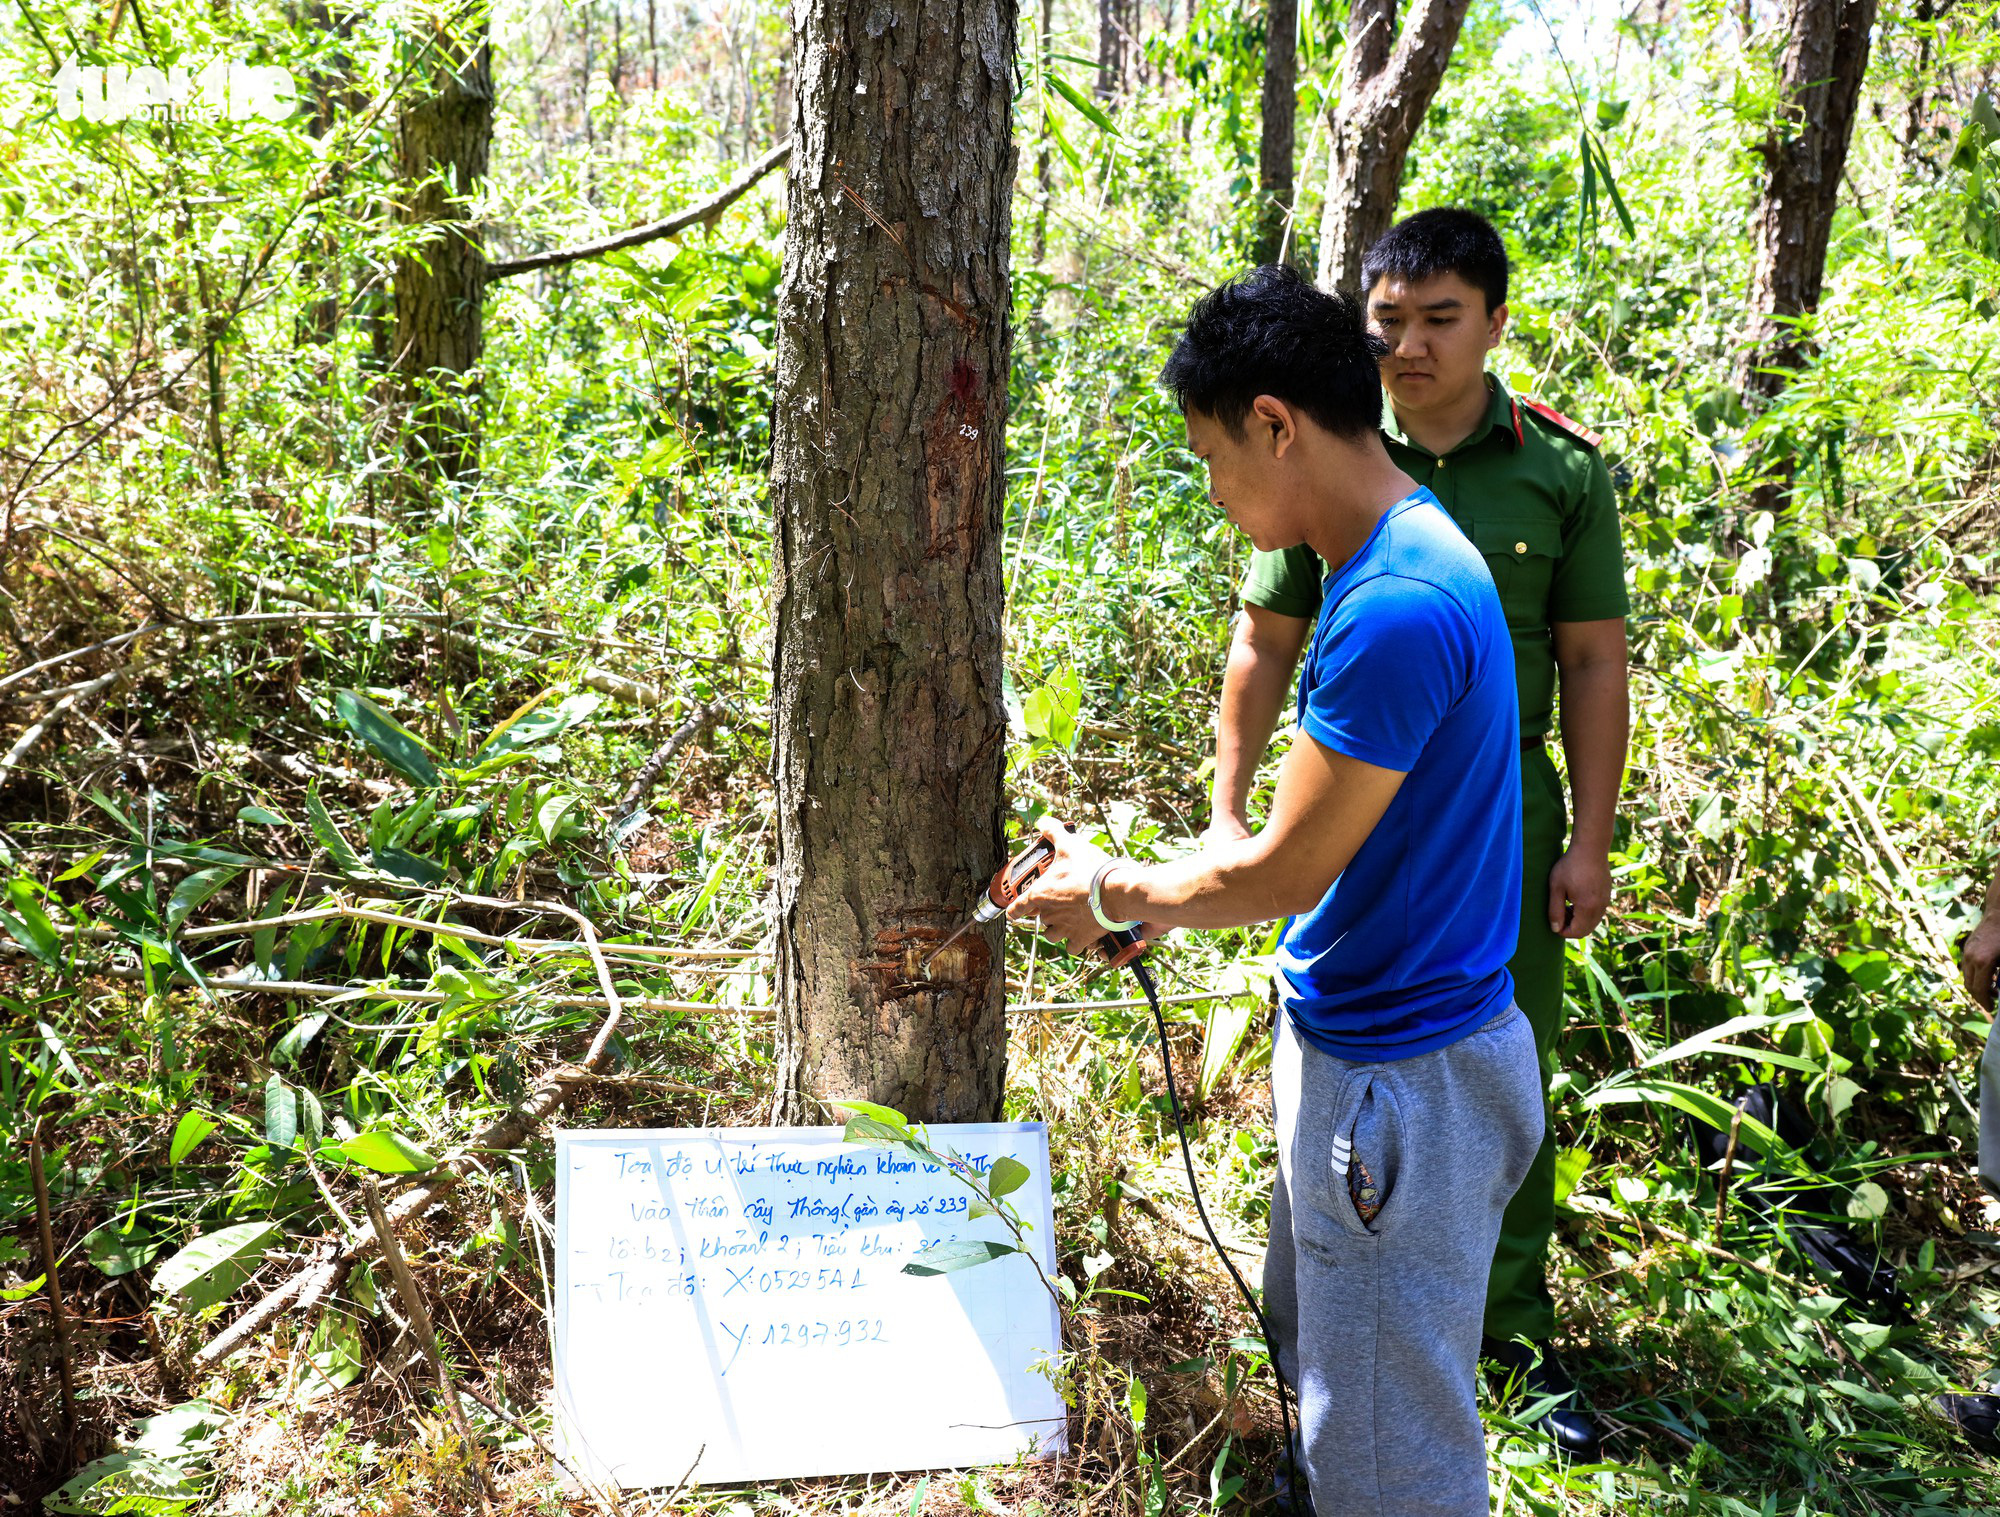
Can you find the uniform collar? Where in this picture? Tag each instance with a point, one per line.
(1503, 415)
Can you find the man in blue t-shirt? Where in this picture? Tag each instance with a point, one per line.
(1407, 1092)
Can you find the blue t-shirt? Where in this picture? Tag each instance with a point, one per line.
(1410, 668)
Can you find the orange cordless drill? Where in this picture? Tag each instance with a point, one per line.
(1117, 949)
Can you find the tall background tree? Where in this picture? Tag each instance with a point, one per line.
(1276, 139)
(1387, 83)
(888, 483)
(444, 135)
(1825, 59)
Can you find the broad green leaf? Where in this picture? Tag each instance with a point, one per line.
(388, 1152)
(261, 816)
(550, 814)
(963, 1253)
(1710, 1108)
(312, 1118)
(531, 728)
(1007, 1175)
(125, 1482)
(195, 889)
(212, 1267)
(24, 1290)
(114, 1251)
(1082, 104)
(333, 1355)
(405, 865)
(288, 1048)
(387, 738)
(78, 870)
(887, 1116)
(188, 1134)
(1051, 710)
(345, 859)
(1868, 1203)
(281, 1113)
(1135, 1402)
(1570, 1166)
(30, 925)
(876, 1134)
(179, 1431)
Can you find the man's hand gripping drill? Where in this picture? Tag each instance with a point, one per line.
(1050, 879)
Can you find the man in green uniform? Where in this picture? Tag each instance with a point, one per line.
(1531, 491)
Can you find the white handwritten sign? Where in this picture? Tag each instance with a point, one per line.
(731, 1305)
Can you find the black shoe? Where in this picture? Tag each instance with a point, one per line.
(1977, 1418)
(1535, 1373)
(1289, 1496)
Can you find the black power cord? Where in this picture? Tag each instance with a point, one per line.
(1145, 979)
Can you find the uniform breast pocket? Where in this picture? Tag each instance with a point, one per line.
(1521, 556)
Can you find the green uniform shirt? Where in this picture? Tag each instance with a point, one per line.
(1535, 498)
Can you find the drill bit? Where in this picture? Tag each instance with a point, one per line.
(987, 912)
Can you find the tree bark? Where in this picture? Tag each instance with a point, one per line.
(1385, 89)
(444, 135)
(888, 480)
(1277, 140)
(1825, 60)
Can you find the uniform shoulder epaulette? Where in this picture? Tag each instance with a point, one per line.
(1562, 423)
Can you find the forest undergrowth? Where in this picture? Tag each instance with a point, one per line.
(351, 831)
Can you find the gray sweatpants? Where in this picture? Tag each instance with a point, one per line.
(1377, 1324)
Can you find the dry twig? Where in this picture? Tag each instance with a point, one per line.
(420, 1320)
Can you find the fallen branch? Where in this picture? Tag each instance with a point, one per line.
(1143, 739)
(527, 1428)
(309, 990)
(679, 957)
(1916, 910)
(334, 1258)
(631, 691)
(39, 729)
(649, 773)
(707, 211)
(420, 1320)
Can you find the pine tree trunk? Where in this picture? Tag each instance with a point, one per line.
(1277, 140)
(1385, 91)
(443, 138)
(887, 473)
(1826, 58)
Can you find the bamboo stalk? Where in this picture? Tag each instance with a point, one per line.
(58, 1319)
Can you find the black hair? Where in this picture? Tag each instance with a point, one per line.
(1444, 240)
(1270, 332)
